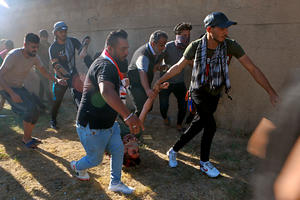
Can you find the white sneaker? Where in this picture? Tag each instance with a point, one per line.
(121, 187)
(209, 169)
(80, 174)
(172, 158)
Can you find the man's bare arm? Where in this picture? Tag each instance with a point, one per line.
(173, 71)
(259, 77)
(3, 69)
(107, 90)
(83, 51)
(47, 75)
(145, 83)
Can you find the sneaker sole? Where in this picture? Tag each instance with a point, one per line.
(204, 172)
(121, 191)
(81, 179)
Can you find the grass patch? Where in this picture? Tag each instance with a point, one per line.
(45, 173)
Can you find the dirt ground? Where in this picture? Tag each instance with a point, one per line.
(45, 173)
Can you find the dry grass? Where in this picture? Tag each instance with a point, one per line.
(45, 174)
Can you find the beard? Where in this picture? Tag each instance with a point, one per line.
(61, 38)
(218, 41)
(31, 54)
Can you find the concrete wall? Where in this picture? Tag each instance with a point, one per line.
(267, 30)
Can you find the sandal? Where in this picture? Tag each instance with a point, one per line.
(37, 141)
(32, 144)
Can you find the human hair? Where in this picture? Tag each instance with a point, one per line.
(44, 33)
(85, 38)
(182, 27)
(155, 36)
(9, 44)
(112, 38)
(33, 38)
(2, 41)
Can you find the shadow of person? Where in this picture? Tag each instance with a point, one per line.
(186, 181)
(8, 186)
(161, 182)
(40, 170)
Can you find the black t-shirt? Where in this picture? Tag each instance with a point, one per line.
(93, 109)
(58, 51)
(123, 65)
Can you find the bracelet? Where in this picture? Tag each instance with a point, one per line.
(129, 116)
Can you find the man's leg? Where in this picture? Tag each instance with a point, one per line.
(41, 90)
(58, 94)
(94, 142)
(28, 127)
(206, 111)
(116, 148)
(27, 110)
(164, 104)
(179, 91)
(208, 135)
(47, 92)
(194, 129)
(139, 98)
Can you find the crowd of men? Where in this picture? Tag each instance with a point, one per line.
(110, 78)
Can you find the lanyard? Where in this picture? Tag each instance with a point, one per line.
(106, 55)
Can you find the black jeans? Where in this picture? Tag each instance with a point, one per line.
(138, 96)
(44, 89)
(58, 95)
(206, 104)
(179, 90)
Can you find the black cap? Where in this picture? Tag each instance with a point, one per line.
(217, 19)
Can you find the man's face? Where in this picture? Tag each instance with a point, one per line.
(31, 48)
(120, 50)
(219, 34)
(186, 33)
(61, 35)
(44, 38)
(160, 46)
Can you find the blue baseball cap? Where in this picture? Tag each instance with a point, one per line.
(218, 19)
(60, 26)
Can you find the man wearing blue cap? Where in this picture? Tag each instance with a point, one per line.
(210, 56)
(62, 56)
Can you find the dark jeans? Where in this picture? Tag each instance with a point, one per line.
(58, 95)
(30, 107)
(179, 90)
(206, 104)
(139, 97)
(45, 89)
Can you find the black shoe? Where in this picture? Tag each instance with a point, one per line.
(167, 121)
(53, 124)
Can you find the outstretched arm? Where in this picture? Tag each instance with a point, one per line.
(173, 71)
(259, 77)
(47, 75)
(148, 104)
(107, 90)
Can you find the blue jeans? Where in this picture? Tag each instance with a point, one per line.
(95, 142)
